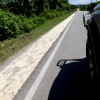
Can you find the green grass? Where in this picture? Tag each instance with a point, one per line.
(12, 46)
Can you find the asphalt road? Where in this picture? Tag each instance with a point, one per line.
(62, 73)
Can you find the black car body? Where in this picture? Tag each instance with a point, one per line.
(92, 25)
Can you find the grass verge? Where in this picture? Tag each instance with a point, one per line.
(12, 46)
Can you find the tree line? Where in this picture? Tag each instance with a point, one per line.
(34, 7)
(89, 7)
(22, 16)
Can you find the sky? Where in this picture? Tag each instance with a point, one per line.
(81, 1)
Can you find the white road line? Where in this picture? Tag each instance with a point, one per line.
(35, 85)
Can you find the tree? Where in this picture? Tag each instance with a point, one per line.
(39, 6)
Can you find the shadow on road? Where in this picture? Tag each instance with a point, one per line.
(73, 81)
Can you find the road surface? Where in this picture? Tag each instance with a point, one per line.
(62, 73)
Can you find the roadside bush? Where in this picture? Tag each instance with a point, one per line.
(51, 15)
(48, 15)
(11, 25)
(27, 26)
(8, 25)
(38, 21)
(58, 14)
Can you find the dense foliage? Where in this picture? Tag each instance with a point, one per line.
(89, 7)
(22, 16)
